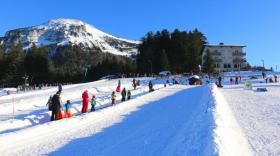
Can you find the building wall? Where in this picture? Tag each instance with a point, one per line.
(226, 58)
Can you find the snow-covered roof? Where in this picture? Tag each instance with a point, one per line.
(223, 45)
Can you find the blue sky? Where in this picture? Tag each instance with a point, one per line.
(255, 23)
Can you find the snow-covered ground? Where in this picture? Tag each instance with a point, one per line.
(176, 120)
(258, 114)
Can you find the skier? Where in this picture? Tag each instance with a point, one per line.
(275, 79)
(113, 97)
(85, 101)
(56, 105)
(128, 95)
(123, 94)
(93, 103)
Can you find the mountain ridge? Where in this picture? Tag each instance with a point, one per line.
(62, 31)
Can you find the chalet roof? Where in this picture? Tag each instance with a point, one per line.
(223, 45)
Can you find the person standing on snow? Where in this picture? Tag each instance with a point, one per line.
(93, 103)
(236, 80)
(67, 106)
(128, 95)
(151, 86)
(231, 80)
(134, 84)
(56, 105)
(60, 87)
(275, 79)
(220, 81)
(85, 101)
(113, 97)
(123, 94)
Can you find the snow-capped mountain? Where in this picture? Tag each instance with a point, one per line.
(59, 32)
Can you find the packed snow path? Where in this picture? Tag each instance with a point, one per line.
(258, 113)
(174, 125)
(152, 124)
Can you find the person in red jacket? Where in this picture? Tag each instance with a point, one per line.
(85, 101)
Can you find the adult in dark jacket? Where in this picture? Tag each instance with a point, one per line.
(123, 94)
(56, 105)
(220, 80)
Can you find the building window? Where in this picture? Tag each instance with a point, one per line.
(235, 65)
(216, 65)
(227, 65)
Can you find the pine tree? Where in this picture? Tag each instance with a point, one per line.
(38, 66)
(2, 65)
(164, 64)
(208, 65)
(15, 66)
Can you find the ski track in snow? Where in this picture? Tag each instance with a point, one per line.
(258, 115)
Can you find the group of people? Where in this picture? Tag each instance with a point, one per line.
(270, 79)
(93, 102)
(55, 104)
(237, 80)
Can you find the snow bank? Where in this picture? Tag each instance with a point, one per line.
(229, 138)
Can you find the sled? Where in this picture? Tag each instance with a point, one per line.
(60, 115)
(68, 114)
(261, 90)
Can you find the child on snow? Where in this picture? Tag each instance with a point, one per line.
(68, 113)
(128, 95)
(113, 97)
(93, 103)
(67, 106)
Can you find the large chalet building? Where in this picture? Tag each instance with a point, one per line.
(226, 57)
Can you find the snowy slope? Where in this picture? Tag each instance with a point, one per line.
(69, 31)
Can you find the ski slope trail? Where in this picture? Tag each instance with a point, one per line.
(258, 115)
(169, 121)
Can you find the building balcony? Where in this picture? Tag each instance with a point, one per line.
(239, 54)
(239, 60)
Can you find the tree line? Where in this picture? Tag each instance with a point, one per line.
(178, 51)
(66, 64)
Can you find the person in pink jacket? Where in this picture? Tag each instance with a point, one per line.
(85, 101)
